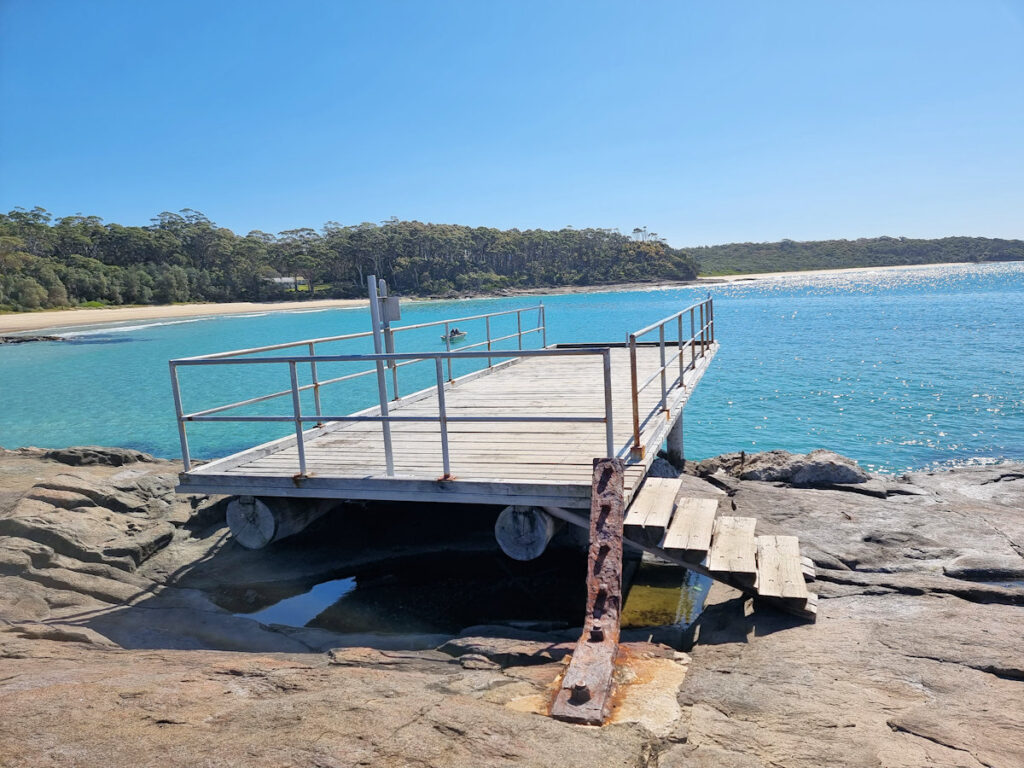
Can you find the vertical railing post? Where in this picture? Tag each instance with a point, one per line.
(637, 451)
(703, 329)
(693, 341)
(519, 326)
(487, 323)
(664, 365)
(186, 459)
(316, 383)
(442, 415)
(389, 339)
(543, 327)
(609, 430)
(679, 339)
(297, 410)
(382, 386)
(448, 348)
(711, 313)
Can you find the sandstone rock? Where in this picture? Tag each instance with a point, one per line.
(815, 469)
(985, 567)
(91, 534)
(88, 455)
(508, 652)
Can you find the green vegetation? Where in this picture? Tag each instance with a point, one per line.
(79, 260)
(791, 256)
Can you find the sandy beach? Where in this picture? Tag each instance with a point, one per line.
(21, 322)
(36, 321)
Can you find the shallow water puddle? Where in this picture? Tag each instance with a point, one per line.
(299, 610)
(662, 595)
(446, 592)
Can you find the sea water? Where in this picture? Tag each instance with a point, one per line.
(899, 369)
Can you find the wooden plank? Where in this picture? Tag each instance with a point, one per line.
(769, 567)
(651, 510)
(733, 550)
(689, 533)
(810, 574)
(790, 572)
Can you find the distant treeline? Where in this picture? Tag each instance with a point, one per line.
(59, 262)
(790, 256)
(75, 260)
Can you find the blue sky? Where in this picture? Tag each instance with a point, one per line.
(707, 122)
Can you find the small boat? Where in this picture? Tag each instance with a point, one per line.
(455, 335)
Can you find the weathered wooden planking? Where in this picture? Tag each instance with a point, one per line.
(733, 549)
(779, 570)
(509, 458)
(689, 533)
(649, 514)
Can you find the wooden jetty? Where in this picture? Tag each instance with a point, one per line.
(522, 430)
(532, 430)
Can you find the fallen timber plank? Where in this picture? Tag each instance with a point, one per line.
(689, 534)
(649, 514)
(806, 611)
(585, 695)
(810, 574)
(779, 570)
(733, 553)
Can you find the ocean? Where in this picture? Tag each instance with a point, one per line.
(899, 369)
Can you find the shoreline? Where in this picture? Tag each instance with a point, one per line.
(25, 322)
(20, 322)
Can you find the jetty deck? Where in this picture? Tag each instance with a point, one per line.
(523, 430)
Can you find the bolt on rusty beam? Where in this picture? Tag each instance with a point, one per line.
(585, 695)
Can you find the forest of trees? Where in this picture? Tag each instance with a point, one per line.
(791, 256)
(78, 260)
(48, 262)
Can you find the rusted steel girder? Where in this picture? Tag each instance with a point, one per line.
(585, 695)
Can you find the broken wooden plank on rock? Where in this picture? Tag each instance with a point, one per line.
(585, 695)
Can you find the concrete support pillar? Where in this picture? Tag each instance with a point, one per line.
(674, 441)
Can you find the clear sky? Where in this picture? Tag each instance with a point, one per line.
(707, 122)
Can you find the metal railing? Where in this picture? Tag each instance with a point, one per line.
(298, 418)
(702, 334)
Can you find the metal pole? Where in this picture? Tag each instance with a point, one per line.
(186, 459)
(609, 432)
(703, 327)
(680, 352)
(664, 365)
(448, 347)
(382, 387)
(316, 382)
(297, 409)
(693, 337)
(543, 326)
(637, 451)
(442, 414)
(389, 338)
(519, 326)
(487, 322)
(711, 312)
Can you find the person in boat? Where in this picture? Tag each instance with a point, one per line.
(455, 332)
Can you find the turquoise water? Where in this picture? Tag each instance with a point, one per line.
(900, 369)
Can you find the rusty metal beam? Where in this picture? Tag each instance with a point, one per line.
(585, 695)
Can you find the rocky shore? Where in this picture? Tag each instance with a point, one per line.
(116, 648)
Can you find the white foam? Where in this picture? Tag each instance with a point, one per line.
(126, 328)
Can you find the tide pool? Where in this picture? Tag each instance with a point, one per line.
(899, 369)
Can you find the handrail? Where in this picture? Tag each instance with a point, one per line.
(383, 417)
(704, 336)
